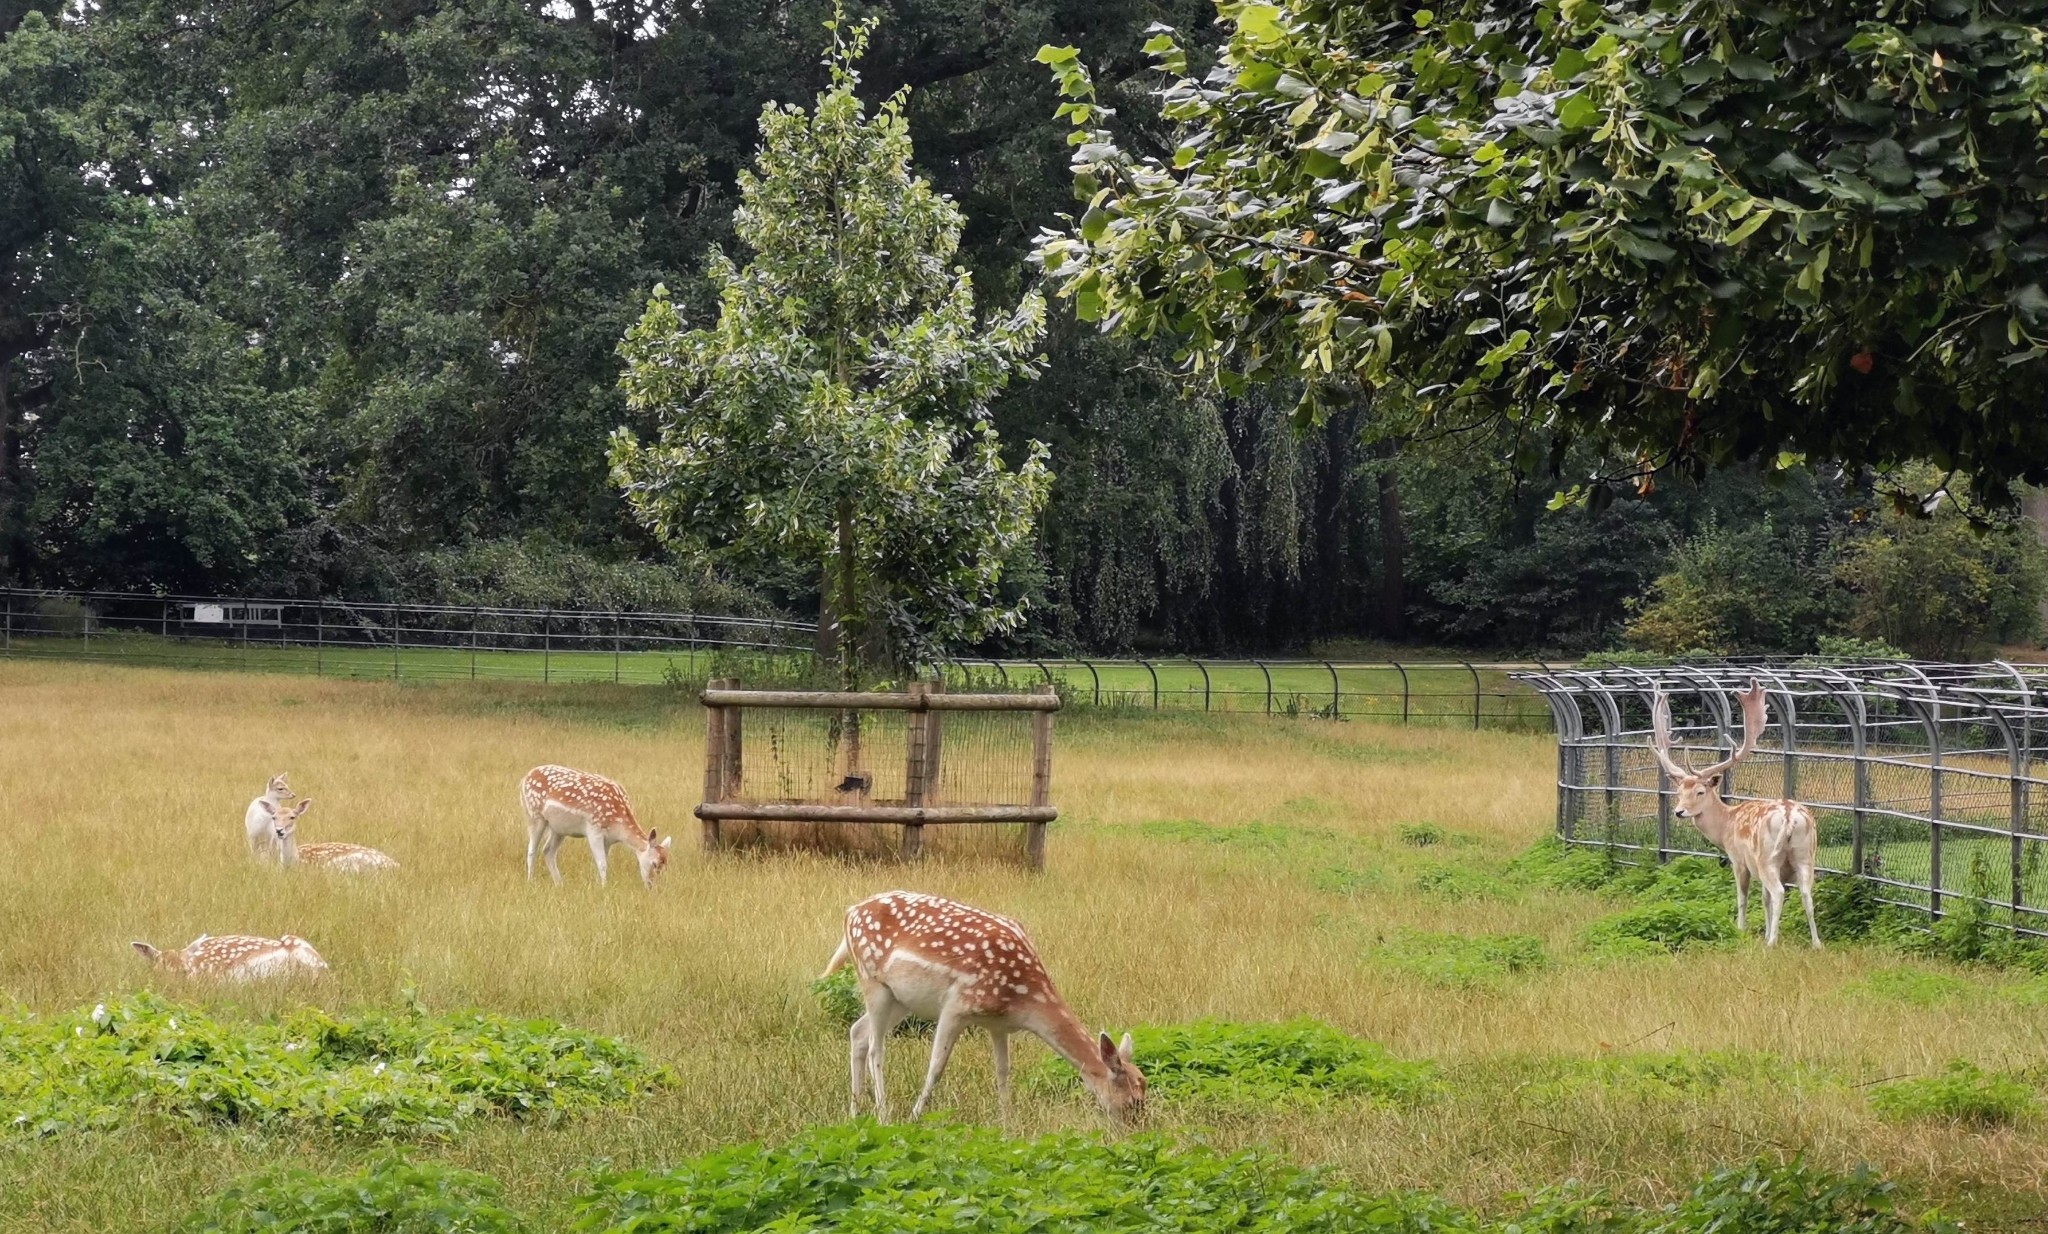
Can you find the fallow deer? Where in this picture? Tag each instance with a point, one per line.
(237, 957)
(964, 968)
(561, 802)
(1770, 841)
(260, 819)
(328, 854)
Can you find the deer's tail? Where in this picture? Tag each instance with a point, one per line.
(840, 959)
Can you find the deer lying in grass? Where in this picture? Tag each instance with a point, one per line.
(327, 855)
(260, 819)
(1770, 841)
(561, 802)
(237, 957)
(964, 968)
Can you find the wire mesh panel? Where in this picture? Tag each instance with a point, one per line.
(1923, 779)
(869, 773)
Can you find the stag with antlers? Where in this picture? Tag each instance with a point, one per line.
(1770, 841)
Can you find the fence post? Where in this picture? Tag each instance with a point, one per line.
(1475, 694)
(615, 646)
(394, 642)
(7, 630)
(1269, 684)
(165, 630)
(1404, 690)
(1336, 693)
(1155, 682)
(1041, 783)
(1096, 678)
(714, 763)
(475, 615)
(913, 768)
(934, 742)
(320, 637)
(732, 775)
(547, 643)
(1205, 682)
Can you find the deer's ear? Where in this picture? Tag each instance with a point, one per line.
(304, 805)
(1714, 781)
(1108, 1048)
(146, 951)
(1123, 1049)
(666, 841)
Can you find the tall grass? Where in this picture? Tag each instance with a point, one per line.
(123, 792)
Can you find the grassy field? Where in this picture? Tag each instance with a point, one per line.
(1204, 866)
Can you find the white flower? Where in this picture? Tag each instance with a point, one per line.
(378, 1069)
(100, 1016)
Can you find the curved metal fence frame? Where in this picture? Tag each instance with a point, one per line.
(1924, 778)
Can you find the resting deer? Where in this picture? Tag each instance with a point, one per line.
(562, 802)
(1771, 841)
(237, 957)
(964, 968)
(260, 819)
(326, 855)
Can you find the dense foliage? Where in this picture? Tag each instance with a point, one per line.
(1215, 1063)
(391, 1196)
(411, 1074)
(1696, 231)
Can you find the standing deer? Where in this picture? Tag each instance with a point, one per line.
(1772, 841)
(237, 957)
(260, 819)
(327, 855)
(926, 956)
(561, 802)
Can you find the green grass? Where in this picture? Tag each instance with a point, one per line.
(1961, 1093)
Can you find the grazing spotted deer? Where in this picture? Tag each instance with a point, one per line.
(964, 968)
(1770, 841)
(260, 819)
(561, 802)
(237, 957)
(326, 855)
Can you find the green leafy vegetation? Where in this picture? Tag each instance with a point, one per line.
(1658, 1076)
(1420, 835)
(390, 1196)
(1215, 1063)
(1551, 862)
(411, 1074)
(1656, 929)
(1962, 1092)
(1464, 961)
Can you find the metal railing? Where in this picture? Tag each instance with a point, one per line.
(401, 641)
(1926, 780)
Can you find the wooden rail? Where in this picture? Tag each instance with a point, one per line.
(924, 704)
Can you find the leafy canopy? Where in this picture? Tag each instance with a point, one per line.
(838, 408)
(1692, 229)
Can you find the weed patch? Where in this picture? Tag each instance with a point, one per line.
(388, 1197)
(409, 1074)
(1916, 987)
(1550, 862)
(1215, 1063)
(1464, 961)
(1420, 835)
(1962, 1093)
(1463, 883)
(1668, 1076)
(1660, 929)
(839, 997)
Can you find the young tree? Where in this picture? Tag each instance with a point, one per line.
(838, 409)
(1688, 229)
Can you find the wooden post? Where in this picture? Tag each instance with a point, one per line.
(915, 723)
(732, 777)
(934, 742)
(1041, 781)
(714, 766)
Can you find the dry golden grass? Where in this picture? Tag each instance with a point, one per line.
(123, 792)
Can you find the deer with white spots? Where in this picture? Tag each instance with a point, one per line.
(260, 819)
(327, 854)
(237, 957)
(561, 802)
(1771, 841)
(964, 968)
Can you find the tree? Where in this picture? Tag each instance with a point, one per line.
(1691, 230)
(1737, 591)
(1943, 589)
(838, 409)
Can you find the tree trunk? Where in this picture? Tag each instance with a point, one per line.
(827, 646)
(1393, 553)
(848, 603)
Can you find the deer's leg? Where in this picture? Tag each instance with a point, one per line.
(534, 826)
(951, 1025)
(1805, 876)
(551, 846)
(1774, 903)
(884, 1014)
(1000, 1044)
(857, 1040)
(599, 852)
(1741, 898)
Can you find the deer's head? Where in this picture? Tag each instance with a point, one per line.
(279, 790)
(288, 823)
(1122, 1090)
(1697, 792)
(172, 960)
(653, 857)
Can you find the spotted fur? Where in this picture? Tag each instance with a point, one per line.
(561, 802)
(964, 967)
(237, 957)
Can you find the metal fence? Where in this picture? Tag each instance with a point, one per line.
(342, 638)
(345, 638)
(1926, 780)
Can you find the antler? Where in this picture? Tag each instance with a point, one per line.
(1660, 735)
(1752, 701)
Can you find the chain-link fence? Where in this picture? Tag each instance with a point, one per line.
(1926, 780)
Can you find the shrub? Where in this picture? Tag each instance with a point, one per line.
(1943, 589)
(392, 1196)
(1668, 927)
(1211, 1062)
(410, 1074)
(1462, 883)
(1551, 862)
(1962, 1093)
(1465, 961)
(1421, 835)
(1844, 908)
(1741, 591)
(1771, 1198)
(1839, 647)
(839, 997)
